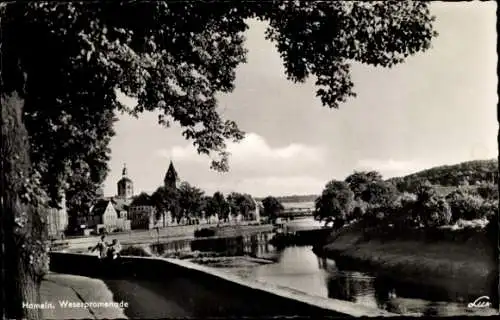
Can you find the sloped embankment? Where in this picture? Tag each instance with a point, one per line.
(462, 262)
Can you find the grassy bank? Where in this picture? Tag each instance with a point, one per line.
(460, 262)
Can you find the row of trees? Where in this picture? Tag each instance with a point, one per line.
(191, 202)
(366, 196)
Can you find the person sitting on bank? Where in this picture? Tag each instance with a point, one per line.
(114, 249)
(102, 247)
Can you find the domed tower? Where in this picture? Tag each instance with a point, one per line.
(171, 177)
(125, 185)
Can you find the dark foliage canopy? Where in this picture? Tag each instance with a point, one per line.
(175, 59)
(272, 207)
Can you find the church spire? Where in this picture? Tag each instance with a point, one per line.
(171, 177)
(124, 171)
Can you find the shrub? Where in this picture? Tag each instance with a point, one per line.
(488, 209)
(431, 208)
(425, 192)
(465, 206)
(488, 191)
(436, 212)
(370, 217)
(357, 213)
(359, 208)
(399, 214)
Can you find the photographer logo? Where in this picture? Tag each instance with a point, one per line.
(481, 302)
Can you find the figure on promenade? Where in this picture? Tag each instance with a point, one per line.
(114, 249)
(102, 247)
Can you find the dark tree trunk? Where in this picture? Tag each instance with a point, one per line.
(24, 259)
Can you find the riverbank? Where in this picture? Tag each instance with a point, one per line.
(171, 233)
(461, 267)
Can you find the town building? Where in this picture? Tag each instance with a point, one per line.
(121, 206)
(111, 214)
(102, 216)
(143, 215)
(105, 217)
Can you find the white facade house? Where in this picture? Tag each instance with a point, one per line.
(109, 216)
(104, 215)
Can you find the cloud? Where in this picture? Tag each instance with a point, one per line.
(254, 155)
(272, 185)
(256, 167)
(283, 185)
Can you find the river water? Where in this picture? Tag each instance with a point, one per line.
(299, 268)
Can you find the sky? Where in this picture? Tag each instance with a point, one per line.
(439, 107)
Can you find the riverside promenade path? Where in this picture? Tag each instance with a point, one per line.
(69, 293)
(171, 233)
(144, 299)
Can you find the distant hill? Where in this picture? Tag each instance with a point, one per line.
(295, 198)
(465, 173)
(447, 177)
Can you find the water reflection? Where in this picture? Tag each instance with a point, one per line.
(294, 260)
(162, 249)
(350, 287)
(255, 245)
(301, 269)
(295, 269)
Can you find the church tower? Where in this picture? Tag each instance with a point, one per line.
(171, 177)
(125, 185)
